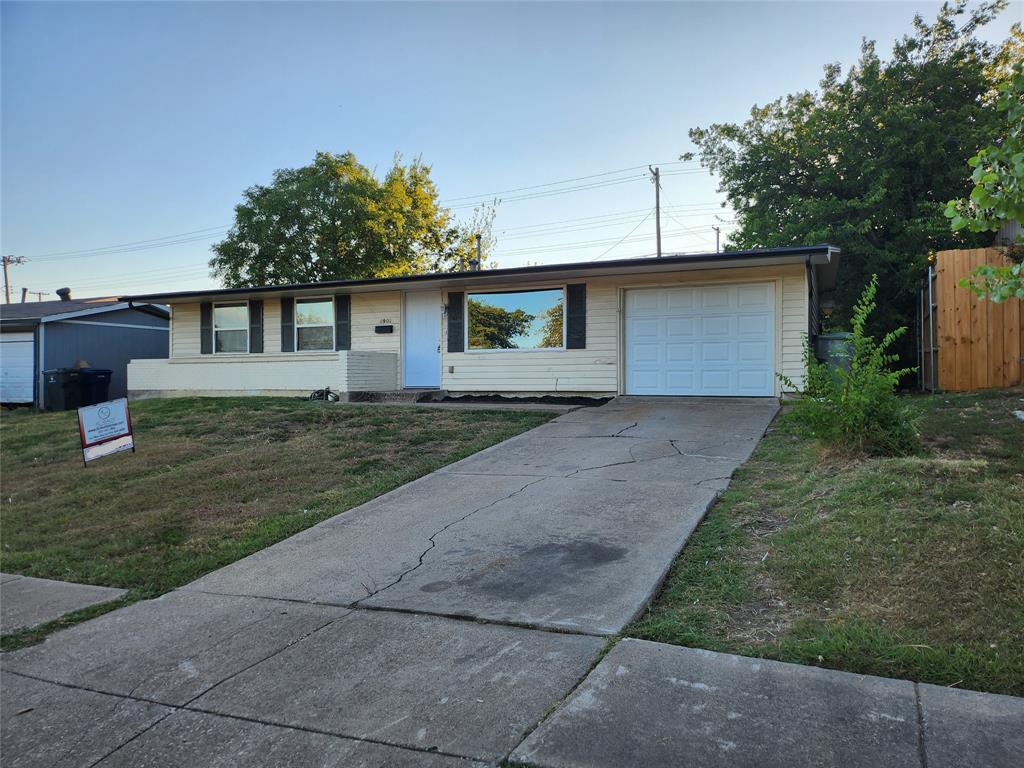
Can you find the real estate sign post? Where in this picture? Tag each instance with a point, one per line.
(105, 428)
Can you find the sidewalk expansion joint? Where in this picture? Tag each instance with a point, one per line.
(922, 753)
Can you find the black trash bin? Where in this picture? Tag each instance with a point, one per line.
(95, 385)
(62, 389)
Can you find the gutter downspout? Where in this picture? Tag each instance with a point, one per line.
(40, 365)
(810, 301)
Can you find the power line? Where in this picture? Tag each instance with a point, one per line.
(587, 227)
(554, 192)
(212, 230)
(620, 242)
(488, 195)
(686, 206)
(687, 228)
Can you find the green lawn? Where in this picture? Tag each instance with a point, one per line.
(904, 567)
(213, 480)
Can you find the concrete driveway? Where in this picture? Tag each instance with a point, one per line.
(348, 645)
(570, 526)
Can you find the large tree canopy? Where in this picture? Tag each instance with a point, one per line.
(869, 161)
(335, 220)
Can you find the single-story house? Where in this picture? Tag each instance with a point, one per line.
(105, 332)
(696, 324)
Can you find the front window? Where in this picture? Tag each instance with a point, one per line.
(231, 327)
(314, 324)
(516, 320)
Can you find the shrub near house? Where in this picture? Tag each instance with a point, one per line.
(858, 409)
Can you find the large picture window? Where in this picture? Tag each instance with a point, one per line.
(314, 324)
(231, 327)
(516, 320)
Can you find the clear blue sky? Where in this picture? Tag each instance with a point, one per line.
(127, 122)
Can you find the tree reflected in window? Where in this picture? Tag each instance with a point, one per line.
(516, 320)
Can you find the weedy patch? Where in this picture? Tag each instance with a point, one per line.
(900, 566)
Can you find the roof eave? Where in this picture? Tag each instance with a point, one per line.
(680, 262)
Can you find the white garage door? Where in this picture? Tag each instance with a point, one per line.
(17, 367)
(707, 340)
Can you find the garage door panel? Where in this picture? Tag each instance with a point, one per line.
(717, 325)
(753, 352)
(716, 381)
(680, 299)
(753, 325)
(646, 328)
(645, 382)
(753, 381)
(715, 298)
(646, 353)
(638, 302)
(680, 353)
(681, 327)
(679, 381)
(715, 352)
(711, 340)
(17, 367)
(749, 296)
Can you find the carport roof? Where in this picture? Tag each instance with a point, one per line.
(823, 258)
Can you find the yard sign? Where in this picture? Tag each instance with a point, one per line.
(106, 428)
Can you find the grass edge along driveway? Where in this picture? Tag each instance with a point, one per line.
(901, 567)
(213, 480)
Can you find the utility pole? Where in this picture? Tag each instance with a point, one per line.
(8, 260)
(656, 175)
(39, 294)
(718, 234)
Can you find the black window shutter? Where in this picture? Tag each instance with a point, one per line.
(576, 316)
(206, 328)
(456, 321)
(288, 325)
(343, 322)
(256, 326)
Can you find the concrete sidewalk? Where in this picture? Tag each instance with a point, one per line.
(652, 704)
(456, 621)
(26, 601)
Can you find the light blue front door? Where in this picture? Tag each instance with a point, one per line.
(421, 339)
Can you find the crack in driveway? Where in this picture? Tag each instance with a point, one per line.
(433, 543)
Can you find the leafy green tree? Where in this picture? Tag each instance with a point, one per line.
(867, 161)
(553, 329)
(335, 220)
(998, 194)
(493, 327)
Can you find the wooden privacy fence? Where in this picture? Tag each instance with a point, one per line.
(967, 343)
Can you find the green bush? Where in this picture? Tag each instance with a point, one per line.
(857, 410)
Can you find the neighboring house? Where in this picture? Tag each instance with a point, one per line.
(105, 332)
(702, 324)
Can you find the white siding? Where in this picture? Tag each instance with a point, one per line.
(281, 373)
(184, 330)
(596, 368)
(271, 325)
(370, 310)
